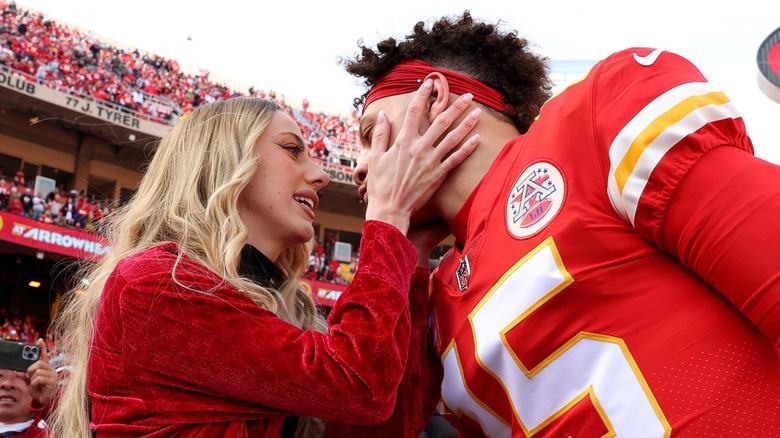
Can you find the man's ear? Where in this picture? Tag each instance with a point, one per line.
(440, 95)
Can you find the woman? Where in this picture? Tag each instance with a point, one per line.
(195, 323)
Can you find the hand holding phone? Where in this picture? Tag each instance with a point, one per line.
(18, 355)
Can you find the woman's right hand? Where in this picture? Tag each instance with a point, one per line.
(403, 177)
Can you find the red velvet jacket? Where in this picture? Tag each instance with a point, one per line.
(192, 356)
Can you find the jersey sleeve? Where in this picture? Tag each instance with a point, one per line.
(655, 116)
(682, 172)
(722, 223)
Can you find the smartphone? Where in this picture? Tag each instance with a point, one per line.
(17, 355)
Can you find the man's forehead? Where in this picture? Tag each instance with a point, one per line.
(393, 106)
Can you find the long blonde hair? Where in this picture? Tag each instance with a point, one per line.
(188, 195)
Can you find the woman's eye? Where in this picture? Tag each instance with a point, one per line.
(294, 148)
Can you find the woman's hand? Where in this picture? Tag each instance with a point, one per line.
(403, 177)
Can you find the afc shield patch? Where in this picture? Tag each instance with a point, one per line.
(535, 199)
(463, 273)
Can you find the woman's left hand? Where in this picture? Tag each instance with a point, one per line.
(401, 178)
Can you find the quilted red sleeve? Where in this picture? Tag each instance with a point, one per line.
(722, 223)
(419, 391)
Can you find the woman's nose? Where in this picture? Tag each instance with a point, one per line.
(319, 177)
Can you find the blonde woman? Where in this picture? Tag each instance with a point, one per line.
(195, 323)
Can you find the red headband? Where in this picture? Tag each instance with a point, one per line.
(408, 75)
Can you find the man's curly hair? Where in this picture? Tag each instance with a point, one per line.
(480, 50)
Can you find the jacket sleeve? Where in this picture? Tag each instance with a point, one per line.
(419, 391)
(213, 353)
(722, 223)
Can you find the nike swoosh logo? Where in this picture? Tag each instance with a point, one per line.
(648, 59)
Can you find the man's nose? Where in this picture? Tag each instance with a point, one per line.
(7, 380)
(360, 173)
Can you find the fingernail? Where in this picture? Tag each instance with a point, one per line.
(474, 114)
(467, 97)
(428, 83)
(474, 139)
(380, 117)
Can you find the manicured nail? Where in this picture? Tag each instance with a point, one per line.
(475, 114)
(467, 97)
(474, 139)
(380, 117)
(428, 83)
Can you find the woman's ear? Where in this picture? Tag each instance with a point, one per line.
(440, 95)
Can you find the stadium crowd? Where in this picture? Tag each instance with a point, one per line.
(150, 87)
(25, 328)
(146, 85)
(67, 209)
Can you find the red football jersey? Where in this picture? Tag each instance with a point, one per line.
(558, 314)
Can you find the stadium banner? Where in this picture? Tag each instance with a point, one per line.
(74, 243)
(51, 238)
(323, 294)
(339, 174)
(88, 106)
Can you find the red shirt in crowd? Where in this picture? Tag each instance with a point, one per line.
(15, 205)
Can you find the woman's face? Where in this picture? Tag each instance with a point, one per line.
(277, 206)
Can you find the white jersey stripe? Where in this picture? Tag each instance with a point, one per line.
(632, 161)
